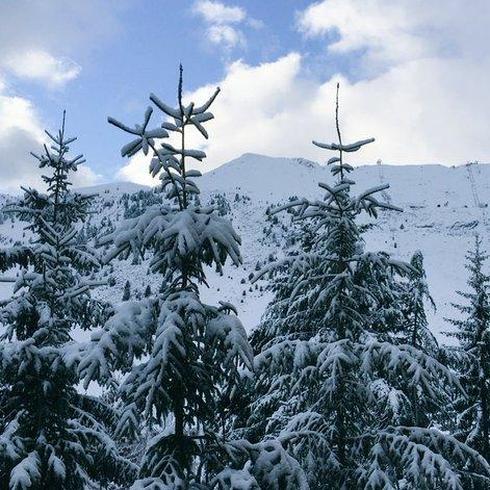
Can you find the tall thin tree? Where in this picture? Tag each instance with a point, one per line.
(191, 354)
(473, 333)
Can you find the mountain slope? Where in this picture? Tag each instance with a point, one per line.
(443, 208)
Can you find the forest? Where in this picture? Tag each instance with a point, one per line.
(342, 385)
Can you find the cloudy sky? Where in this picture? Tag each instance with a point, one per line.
(414, 73)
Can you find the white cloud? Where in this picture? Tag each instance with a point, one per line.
(84, 177)
(18, 113)
(388, 32)
(21, 132)
(386, 29)
(222, 23)
(41, 66)
(37, 42)
(225, 36)
(137, 170)
(421, 88)
(39, 39)
(420, 111)
(219, 13)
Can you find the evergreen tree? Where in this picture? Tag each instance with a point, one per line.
(127, 291)
(148, 291)
(192, 354)
(415, 326)
(473, 333)
(332, 384)
(414, 297)
(52, 436)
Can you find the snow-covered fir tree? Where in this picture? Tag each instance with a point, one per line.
(414, 327)
(333, 384)
(414, 299)
(473, 333)
(126, 291)
(186, 381)
(52, 436)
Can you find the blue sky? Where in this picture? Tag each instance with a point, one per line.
(412, 75)
(143, 56)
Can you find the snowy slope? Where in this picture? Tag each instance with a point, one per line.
(441, 215)
(443, 208)
(114, 188)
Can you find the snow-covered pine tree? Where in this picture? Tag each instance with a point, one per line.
(52, 436)
(414, 326)
(331, 385)
(126, 291)
(473, 333)
(415, 296)
(190, 354)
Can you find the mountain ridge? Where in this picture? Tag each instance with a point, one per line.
(443, 208)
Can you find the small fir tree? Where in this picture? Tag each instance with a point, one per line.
(473, 363)
(127, 291)
(414, 326)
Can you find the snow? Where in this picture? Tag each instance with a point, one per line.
(438, 202)
(112, 189)
(440, 216)
(443, 206)
(25, 473)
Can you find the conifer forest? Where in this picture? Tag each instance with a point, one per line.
(271, 323)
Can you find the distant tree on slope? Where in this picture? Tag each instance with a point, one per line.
(127, 291)
(414, 297)
(414, 328)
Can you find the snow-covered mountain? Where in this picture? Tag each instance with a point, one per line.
(443, 208)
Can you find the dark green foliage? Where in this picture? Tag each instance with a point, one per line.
(127, 291)
(191, 356)
(51, 436)
(335, 380)
(473, 356)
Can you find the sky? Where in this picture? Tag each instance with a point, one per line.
(415, 74)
